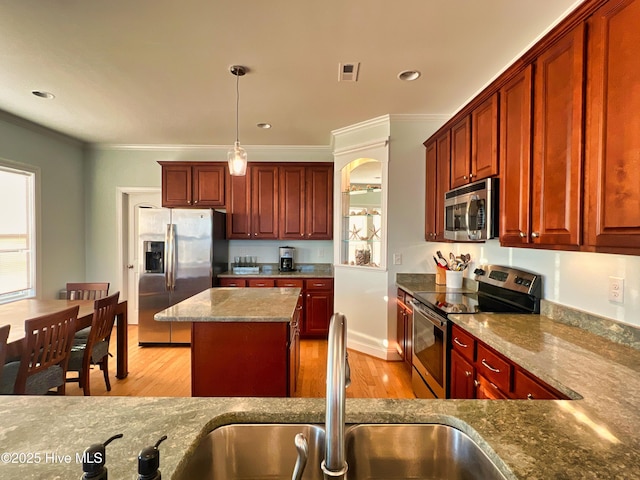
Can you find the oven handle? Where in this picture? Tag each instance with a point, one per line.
(432, 317)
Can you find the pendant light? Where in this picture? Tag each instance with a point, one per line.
(237, 156)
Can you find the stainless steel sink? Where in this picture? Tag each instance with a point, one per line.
(254, 451)
(374, 451)
(430, 451)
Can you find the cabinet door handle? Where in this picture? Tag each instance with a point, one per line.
(522, 234)
(535, 234)
(196, 202)
(470, 176)
(188, 202)
(476, 383)
(494, 370)
(530, 397)
(467, 373)
(458, 342)
(302, 234)
(465, 177)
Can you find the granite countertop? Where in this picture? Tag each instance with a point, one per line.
(593, 436)
(228, 304)
(421, 282)
(313, 270)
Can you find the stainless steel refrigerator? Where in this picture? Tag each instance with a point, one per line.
(181, 252)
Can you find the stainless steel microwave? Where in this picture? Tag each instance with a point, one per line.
(470, 212)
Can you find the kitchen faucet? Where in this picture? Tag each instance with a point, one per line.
(334, 464)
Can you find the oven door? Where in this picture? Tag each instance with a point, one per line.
(429, 352)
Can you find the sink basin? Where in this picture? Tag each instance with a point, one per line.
(374, 451)
(430, 451)
(254, 451)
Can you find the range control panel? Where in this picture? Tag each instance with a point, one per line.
(510, 278)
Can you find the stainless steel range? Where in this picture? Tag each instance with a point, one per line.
(500, 290)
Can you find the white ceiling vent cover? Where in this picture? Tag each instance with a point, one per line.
(348, 72)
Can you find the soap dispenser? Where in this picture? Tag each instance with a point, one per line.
(93, 460)
(149, 462)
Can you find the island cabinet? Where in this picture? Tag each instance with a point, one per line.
(248, 359)
(252, 203)
(478, 371)
(306, 202)
(193, 184)
(557, 142)
(612, 139)
(438, 159)
(515, 159)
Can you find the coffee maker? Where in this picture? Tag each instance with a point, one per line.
(286, 259)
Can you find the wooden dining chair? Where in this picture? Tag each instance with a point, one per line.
(4, 334)
(95, 349)
(87, 291)
(45, 354)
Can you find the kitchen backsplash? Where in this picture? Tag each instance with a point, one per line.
(307, 251)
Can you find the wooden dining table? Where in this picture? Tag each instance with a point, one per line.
(15, 313)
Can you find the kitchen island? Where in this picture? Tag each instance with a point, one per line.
(244, 342)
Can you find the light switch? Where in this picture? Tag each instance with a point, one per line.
(616, 289)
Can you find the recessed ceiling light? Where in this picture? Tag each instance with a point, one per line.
(409, 75)
(265, 126)
(43, 94)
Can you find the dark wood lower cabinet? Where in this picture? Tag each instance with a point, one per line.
(404, 327)
(318, 308)
(240, 359)
(477, 371)
(317, 300)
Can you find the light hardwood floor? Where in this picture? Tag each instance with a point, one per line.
(165, 372)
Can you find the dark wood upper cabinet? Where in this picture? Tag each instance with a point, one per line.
(443, 184)
(613, 128)
(484, 139)
(306, 202)
(515, 159)
(319, 202)
(431, 191)
(461, 152)
(239, 207)
(264, 201)
(557, 142)
(292, 201)
(187, 185)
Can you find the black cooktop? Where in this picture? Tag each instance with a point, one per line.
(500, 290)
(450, 302)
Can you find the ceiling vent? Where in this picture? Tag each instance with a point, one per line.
(348, 72)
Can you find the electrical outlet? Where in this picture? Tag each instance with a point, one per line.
(397, 259)
(616, 289)
(320, 252)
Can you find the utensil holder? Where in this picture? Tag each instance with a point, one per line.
(441, 278)
(454, 278)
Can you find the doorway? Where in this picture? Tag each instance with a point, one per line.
(131, 200)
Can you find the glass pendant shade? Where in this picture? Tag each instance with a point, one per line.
(237, 158)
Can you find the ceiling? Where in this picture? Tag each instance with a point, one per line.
(157, 71)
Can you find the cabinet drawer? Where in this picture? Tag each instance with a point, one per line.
(233, 282)
(462, 342)
(401, 295)
(494, 367)
(525, 387)
(261, 282)
(289, 282)
(319, 284)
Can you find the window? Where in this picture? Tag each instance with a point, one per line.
(17, 235)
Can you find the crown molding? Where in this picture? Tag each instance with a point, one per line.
(214, 148)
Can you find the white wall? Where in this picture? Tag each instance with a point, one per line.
(58, 161)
